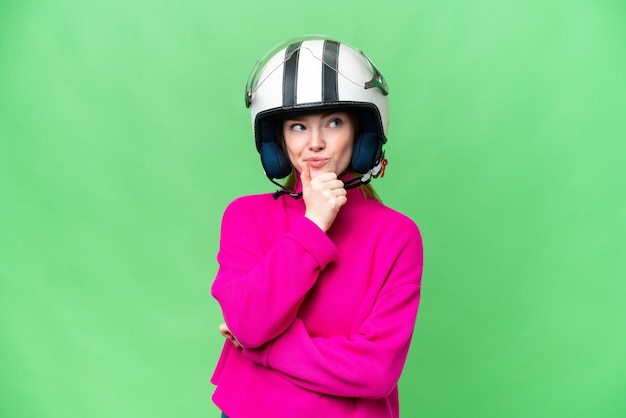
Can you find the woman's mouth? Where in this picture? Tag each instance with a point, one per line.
(317, 162)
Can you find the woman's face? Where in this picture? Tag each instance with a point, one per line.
(323, 141)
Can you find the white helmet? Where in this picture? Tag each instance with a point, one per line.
(317, 74)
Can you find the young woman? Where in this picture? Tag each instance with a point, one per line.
(319, 283)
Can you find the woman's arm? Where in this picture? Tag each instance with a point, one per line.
(367, 363)
(260, 285)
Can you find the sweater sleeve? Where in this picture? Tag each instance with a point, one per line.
(260, 285)
(369, 362)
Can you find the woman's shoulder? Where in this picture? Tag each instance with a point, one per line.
(389, 215)
(389, 224)
(248, 202)
(252, 199)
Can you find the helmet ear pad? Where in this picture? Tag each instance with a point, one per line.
(366, 152)
(275, 162)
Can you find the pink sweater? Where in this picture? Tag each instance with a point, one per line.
(325, 319)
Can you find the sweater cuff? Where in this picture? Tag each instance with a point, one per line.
(306, 233)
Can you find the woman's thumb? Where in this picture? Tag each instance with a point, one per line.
(305, 176)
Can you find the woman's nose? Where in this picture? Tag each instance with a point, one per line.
(316, 141)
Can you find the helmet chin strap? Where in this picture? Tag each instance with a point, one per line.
(284, 190)
(374, 172)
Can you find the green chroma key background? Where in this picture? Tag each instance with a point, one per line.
(123, 135)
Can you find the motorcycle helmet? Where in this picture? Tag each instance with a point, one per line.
(312, 74)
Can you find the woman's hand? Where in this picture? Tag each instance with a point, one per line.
(323, 196)
(229, 335)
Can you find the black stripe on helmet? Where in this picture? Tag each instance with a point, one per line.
(330, 61)
(290, 74)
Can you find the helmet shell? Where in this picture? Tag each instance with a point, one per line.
(316, 74)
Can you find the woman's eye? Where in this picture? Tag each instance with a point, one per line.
(335, 123)
(297, 127)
